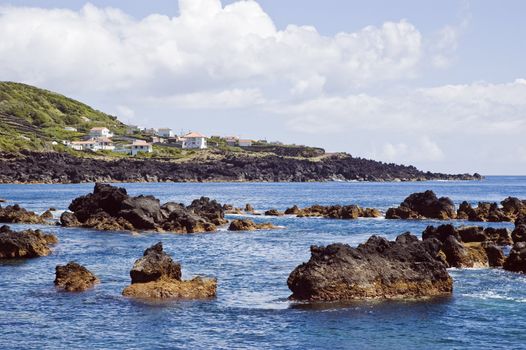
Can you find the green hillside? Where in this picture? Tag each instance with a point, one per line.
(32, 118)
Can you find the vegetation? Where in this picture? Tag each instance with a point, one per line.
(32, 118)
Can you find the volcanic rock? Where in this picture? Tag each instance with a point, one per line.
(273, 212)
(24, 244)
(494, 253)
(16, 214)
(345, 212)
(74, 277)
(249, 225)
(156, 275)
(483, 212)
(111, 208)
(423, 205)
(377, 269)
(516, 260)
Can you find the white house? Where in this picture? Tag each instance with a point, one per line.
(140, 146)
(165, 132)
(245, 143)
(90, 145)
(69, 128)
(105, 144)
(194, 140)
(100, 132)
(97, 144)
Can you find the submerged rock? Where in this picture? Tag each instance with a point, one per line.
(346, 212)
(377, 269)
(273, 212)
(157, 276)
(15, 214)
(111, 208)
(423, 205)
(24, 244)
(249, 225)
(74, 277)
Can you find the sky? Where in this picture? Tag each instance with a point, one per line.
(436, 84)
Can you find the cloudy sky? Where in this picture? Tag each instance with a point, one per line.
(441, 85)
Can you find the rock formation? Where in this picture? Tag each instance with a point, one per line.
(74, 277)
(273, 212)
(111, 208)
(157, 276)
(469, 246)
(423, 205)
(15, 214)
(516, 261)
(249, 225)
(24, 244)
(51, 167)
(334, 212)
(377, 269)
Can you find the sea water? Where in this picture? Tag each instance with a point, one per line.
(251, 311)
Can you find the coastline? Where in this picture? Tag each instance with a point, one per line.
(60, 168)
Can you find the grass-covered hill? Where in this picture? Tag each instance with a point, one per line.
(32, 118)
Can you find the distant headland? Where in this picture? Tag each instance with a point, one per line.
(48, 138)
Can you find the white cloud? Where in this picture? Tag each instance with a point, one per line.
(227, 99)
(207, 46)
(418, 150)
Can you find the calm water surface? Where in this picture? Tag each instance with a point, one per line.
(487, 309)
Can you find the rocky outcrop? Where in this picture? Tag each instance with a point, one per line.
(469, 246)
(346, 212)
(74, 277)
(24, 244)
(424, 205)
(469, 234)
(111, 208)
(377, 269)
(15, 214)
(483, 212)
(249, 225)
(157, 276)
(516, 260)
(33, 167)
(273, 212)
(519, 232)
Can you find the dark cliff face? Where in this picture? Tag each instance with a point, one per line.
(64, 168)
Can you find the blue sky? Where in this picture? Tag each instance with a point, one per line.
(436, 84)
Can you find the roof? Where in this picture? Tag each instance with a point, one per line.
(194, 134)
(83, 142)
(103, 139)
(99, 129)
(140, 143)
(164, 129)
(246, 140)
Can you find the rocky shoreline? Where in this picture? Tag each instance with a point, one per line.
(52, 167)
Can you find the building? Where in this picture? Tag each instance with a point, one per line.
(140, 146)
(150, 131)
(90, 145)
(156, 139)
(94, 145)
(165, 132)
(69, 128)
(105, 144)
(100, 132)
(232, 140)
(194, 140)
(245, 143)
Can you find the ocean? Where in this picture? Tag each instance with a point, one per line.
(251, 311)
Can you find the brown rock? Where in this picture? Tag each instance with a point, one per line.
(273, 212)
(516, 261)
(157, 276)
(377, 269)
(16, 214)
(74, 278)
(423, 205)
(24, 244)
(249, 225)
(197, 288)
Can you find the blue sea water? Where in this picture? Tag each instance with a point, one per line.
(251, 311)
